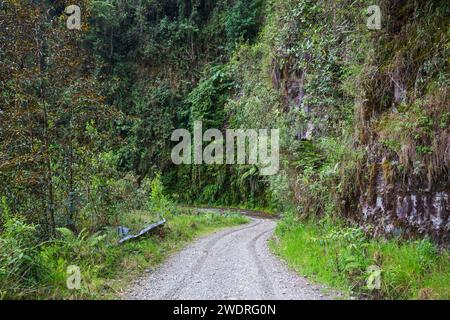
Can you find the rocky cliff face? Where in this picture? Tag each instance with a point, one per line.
(391, 207)
(405, 125)
(401, 185)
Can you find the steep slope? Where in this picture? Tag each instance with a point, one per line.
(364, 112)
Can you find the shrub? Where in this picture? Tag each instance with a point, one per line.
(20, 268)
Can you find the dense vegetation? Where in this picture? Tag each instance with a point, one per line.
(86, 118)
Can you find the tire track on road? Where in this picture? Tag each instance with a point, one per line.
(231, 264)
(198, 265)
(264, 281)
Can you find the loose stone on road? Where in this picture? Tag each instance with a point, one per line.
(231, 264)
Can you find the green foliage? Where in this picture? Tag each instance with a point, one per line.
(86, 119)
(105, 194)
(158, 201)
(345, 258)
(243, 21)
(148, 129)
(29, 271)
(20, 266)
(5, 210)
(206, 101)
(171, 57)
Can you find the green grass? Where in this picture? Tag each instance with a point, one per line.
(339, 256)
(106, 267)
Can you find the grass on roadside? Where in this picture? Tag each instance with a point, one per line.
(344, 258)
(106, 267)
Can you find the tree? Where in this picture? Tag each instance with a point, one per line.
(49, 94)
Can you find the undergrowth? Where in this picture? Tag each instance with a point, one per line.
(40, 270)
(342, 257)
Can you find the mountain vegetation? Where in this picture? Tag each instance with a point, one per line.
(86, 118)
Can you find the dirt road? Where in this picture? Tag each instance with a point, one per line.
(231, 264)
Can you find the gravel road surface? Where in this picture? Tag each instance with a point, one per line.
(231, 264)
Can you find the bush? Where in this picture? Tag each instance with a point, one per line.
(158, 202)
(20, 267)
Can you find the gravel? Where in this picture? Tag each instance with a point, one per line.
(231, 264)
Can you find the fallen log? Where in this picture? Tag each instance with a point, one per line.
(143, 231)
